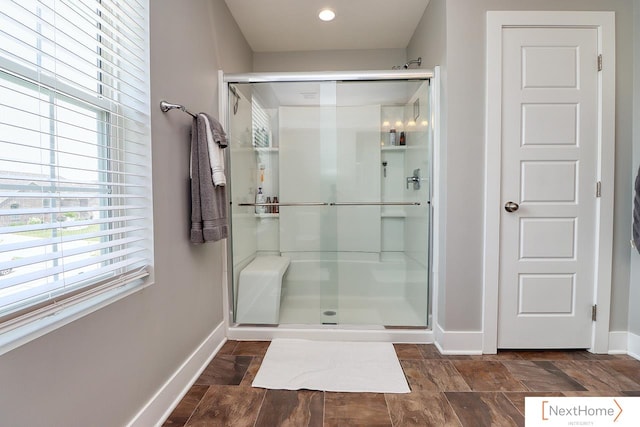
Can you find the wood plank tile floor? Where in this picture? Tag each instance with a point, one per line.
(476, 391)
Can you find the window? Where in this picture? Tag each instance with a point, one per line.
(75, 169)
(261, 124)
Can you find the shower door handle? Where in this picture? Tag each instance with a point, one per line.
(286, 204)
(374, 204)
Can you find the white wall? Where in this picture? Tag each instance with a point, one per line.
(460, 293)
(101, 369)
(430, 38)
(331, 60)
(634, 291)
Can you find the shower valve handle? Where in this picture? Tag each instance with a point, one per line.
(412, 179)
(415, 179)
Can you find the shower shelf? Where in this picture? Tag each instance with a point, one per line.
(394, 148)
(266, 149)
(267, 215)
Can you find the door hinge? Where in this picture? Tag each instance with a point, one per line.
(594, 312)
(600, 62)
(599, 189)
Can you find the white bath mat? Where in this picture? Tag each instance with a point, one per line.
(331, 366)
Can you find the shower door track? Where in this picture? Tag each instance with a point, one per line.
(329, 76)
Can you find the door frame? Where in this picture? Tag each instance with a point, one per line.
(604, 23)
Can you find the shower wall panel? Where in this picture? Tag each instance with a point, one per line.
(307, 175)
(243, 181)
(416, 231)
(329, 154)
(358, 178)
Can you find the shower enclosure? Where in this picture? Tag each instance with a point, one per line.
(331, 177)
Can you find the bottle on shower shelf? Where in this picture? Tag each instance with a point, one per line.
(269, 209)
(260, 199)
(392, 137)
(261, 168)
(276, 208)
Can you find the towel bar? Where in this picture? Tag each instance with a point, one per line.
(167, 106)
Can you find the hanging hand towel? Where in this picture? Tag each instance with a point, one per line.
(216, 142)
(208, 202)
(636, 213)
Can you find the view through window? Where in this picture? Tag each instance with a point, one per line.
(74, 151)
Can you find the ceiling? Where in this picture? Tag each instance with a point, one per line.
(293, 25)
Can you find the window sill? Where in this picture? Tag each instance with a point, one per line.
(24, 334)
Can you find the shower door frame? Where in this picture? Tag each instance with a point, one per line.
(338, 332)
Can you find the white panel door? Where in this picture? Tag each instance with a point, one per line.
(548, 187)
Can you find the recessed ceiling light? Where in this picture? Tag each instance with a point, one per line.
(326, 14)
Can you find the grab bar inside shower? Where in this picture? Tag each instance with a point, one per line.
(285, 204)
(375, 204)
(335, 204)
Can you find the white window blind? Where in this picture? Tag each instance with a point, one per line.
(75, 169)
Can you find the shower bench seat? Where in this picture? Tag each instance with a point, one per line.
(259, 289)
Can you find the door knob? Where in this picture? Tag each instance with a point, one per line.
(511, 207)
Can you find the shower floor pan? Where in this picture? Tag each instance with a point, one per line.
(349, 310)
(383, 300)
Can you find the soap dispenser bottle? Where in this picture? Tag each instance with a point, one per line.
(260, 199)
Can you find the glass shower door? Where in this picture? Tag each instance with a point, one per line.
(382, 202)
(353, 215)
(308, 164)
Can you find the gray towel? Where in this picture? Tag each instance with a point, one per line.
(636, 214)
(208, 202)
(219, 136)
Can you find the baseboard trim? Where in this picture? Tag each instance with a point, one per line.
(173, 390)
(458, 342)
(618, 342)
(633, 346)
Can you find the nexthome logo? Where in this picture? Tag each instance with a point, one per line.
(582, 411)
(549, 410)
